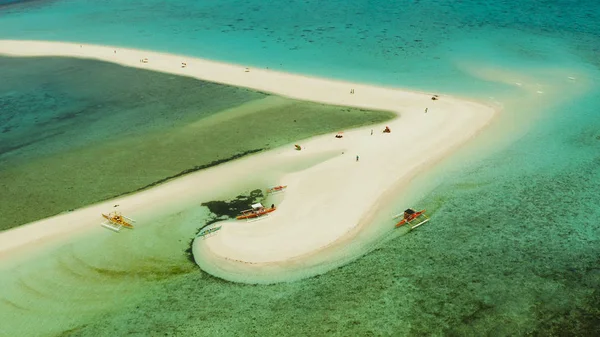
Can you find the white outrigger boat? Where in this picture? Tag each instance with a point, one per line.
(207, 232)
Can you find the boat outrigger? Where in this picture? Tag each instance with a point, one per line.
(257, 212)
(276, 189)
(115, 221)
(413, 218)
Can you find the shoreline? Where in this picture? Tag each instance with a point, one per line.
(279, 239)
(334, 254)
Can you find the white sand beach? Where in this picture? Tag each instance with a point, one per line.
(322, 203)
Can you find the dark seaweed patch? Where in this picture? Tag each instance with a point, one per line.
(233, 207)
(225, 209)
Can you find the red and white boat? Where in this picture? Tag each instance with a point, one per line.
(276, 189)
(257, 212)
(411, 217)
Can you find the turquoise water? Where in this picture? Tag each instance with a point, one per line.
(411, 43)
(513, 245)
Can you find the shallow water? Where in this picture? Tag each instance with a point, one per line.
(512, 248)
(504, 254)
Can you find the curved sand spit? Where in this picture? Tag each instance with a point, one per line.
(322, 203)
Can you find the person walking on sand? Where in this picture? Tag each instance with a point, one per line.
(371, 132)
(356, 158)
(426, 110)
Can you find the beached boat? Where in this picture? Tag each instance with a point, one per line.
(115, 221)
(276, 189)
(206, 232)
(411, 217)
(257, 212)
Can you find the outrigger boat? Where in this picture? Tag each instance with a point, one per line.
(204, 233)
(257, 212)
(115, 221)
(276, 189)
(413, 218)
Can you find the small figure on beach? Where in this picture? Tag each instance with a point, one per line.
(115, 51)
(272, 205)
(183, 64)
(371, 132)
(387, 130)
(426, 110)
(352, 91)
(356, 158)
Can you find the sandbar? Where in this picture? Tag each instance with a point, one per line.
(323, 202)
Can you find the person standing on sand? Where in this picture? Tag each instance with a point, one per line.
(426, 110)
(371, 132)
(356, 158)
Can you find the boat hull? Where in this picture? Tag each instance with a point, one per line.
(277, 189)
(414, 217)
(255, 215)
(117, 222)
